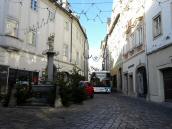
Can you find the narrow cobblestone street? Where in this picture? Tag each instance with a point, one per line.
(105, 111)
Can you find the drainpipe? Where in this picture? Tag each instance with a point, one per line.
(84, 59)
(147, 70)
(71, 34)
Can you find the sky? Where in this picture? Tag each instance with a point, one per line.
(93, 18)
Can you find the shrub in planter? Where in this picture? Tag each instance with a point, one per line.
(51, 98)
(5, 100)
(64, 89)
(78, 94)
(69, 89)
(23, 92)
(65, 93)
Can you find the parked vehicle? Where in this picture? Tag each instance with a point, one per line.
(88, 88)
(101, 81)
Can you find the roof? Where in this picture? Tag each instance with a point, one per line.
(114, 23)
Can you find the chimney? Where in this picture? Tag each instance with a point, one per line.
(59, 2)
(65, 4)
(108, 21)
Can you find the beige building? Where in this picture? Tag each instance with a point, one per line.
(24, 30)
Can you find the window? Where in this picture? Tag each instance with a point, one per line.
(12, 27)
(157, 31)
(34, 4)
(66, 50)
(133, 40)
(77, 58)
(67, 25)
(31, 38)
(130, 43)
(126, 46)
(141, 35)
(77, 35)
(51, 16)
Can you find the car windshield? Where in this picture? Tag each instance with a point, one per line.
(103, 83)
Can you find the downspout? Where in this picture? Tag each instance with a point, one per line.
(105, 52)
(84, 59)
(147, 62)
(71, 42)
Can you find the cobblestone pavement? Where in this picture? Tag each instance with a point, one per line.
(105, 111)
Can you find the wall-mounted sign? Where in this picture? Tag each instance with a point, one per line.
(130, 66)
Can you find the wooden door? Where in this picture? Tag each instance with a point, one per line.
(168, 84)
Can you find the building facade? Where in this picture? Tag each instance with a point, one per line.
(24, 30)
(126, 38)
(159, 49)
(105, 54)
(139, 38)
(115, 42)
(134, 56)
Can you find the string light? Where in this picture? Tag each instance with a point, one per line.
(83, 12)
(160, 2)
(97, 15)
(103, 2)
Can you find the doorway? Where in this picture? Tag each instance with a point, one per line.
(125, 88)
(130, 80)
(141, 82)
(3, 79)
(120, 79)
(167, 75)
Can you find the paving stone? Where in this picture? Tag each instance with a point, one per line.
(105, 111)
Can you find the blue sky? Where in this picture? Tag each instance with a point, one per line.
(92, 18)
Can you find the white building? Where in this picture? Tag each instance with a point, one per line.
(134, 57)
(140, 40)
(158, 17)
(126, 40)
(105, 54)
(115, 45)
(24, 30)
